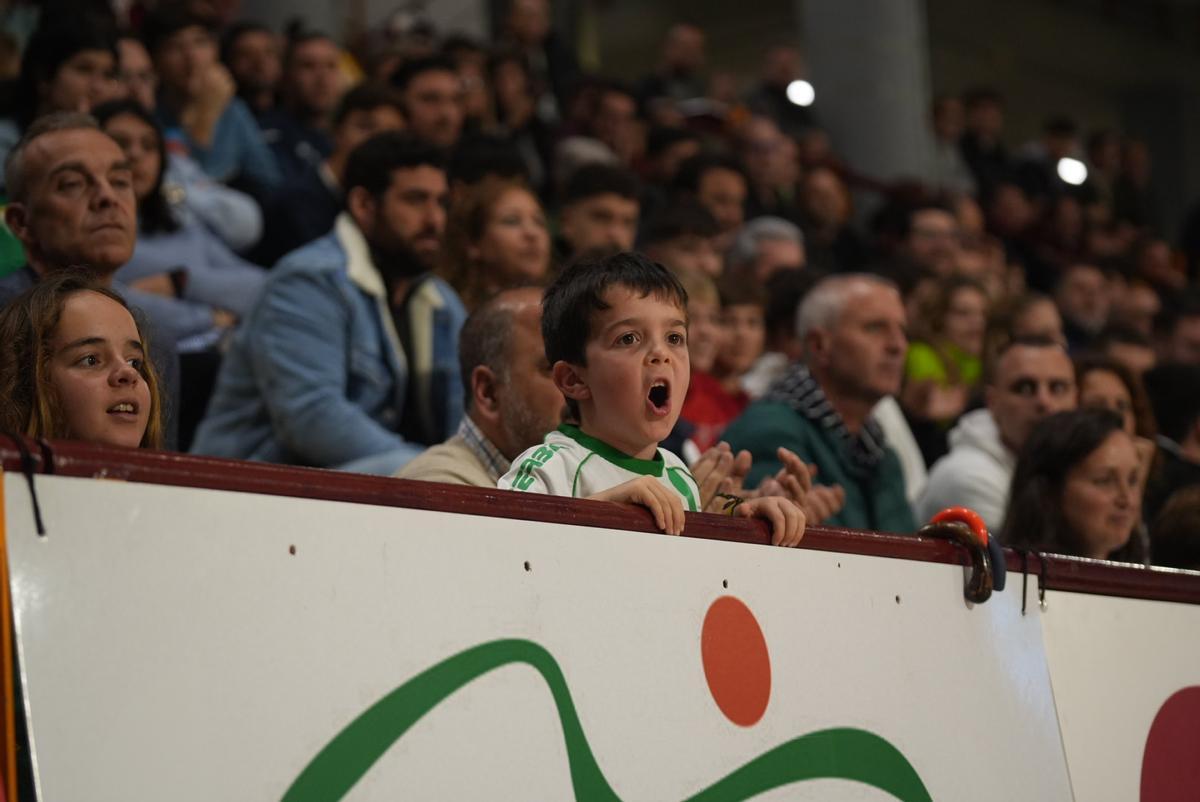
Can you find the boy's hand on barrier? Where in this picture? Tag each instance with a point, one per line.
(665, 505)
(784, 517)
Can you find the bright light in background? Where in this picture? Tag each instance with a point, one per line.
(1072, 171)
(801, 93)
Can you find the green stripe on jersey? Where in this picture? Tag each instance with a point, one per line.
(683, 487)
(645, 467)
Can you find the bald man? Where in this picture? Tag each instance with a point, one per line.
(511, 400)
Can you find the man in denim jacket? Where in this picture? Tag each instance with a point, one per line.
(349, 359)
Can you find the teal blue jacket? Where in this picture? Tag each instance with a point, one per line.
(876, 501)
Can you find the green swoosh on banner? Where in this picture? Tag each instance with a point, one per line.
(842, 753)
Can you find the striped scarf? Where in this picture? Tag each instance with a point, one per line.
(800, 391)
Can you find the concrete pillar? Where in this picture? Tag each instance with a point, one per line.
(869, 64)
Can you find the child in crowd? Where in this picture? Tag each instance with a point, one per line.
(717, 397)
(74, 366)
(615, 332)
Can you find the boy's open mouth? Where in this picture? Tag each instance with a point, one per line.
(659, 397)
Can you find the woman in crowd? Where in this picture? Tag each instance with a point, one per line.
(74, 366)
(176, 254)
(945, 360)
(1105, 383)
(716, 395)
(496, 238)
(1077, 489)
(702, 409)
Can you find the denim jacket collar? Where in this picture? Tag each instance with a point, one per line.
(425, 318)
(361, 270)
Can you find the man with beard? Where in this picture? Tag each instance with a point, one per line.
(349, 359)
(853, 330)
(511, 398)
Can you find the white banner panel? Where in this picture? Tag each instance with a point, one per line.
(1126, 677)
(192, 644)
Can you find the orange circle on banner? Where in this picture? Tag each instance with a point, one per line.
(736, 664)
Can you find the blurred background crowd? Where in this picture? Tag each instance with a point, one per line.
(959, 292)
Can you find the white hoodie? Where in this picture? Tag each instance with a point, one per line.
(975, 474)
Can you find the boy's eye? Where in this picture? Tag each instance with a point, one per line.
(675, 338)
(628, 338)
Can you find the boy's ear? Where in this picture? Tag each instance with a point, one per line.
(569, 381)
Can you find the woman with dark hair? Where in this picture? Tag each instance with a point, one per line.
(1077, 489)
(1105, 383)
(175, 253)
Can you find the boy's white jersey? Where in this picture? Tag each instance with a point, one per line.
(571, 463)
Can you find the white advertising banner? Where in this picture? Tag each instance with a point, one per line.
(189, 644)
(1126, 677)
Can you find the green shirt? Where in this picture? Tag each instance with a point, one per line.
(876, 501)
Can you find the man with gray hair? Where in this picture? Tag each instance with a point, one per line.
(511, 400)
(853, 331)
(764, 246)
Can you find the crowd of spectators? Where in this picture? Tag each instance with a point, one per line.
(336, 253)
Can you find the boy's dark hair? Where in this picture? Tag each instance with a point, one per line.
(166, 21)
(480, 156)
(53, 44)
(600, 179)
(682, 218)
(409, 70)
(236, 31)
(297, 35)
(578, 293)
(691, 172)
(365, 96)
(371, 164)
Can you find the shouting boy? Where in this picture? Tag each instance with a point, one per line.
(615, 332)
